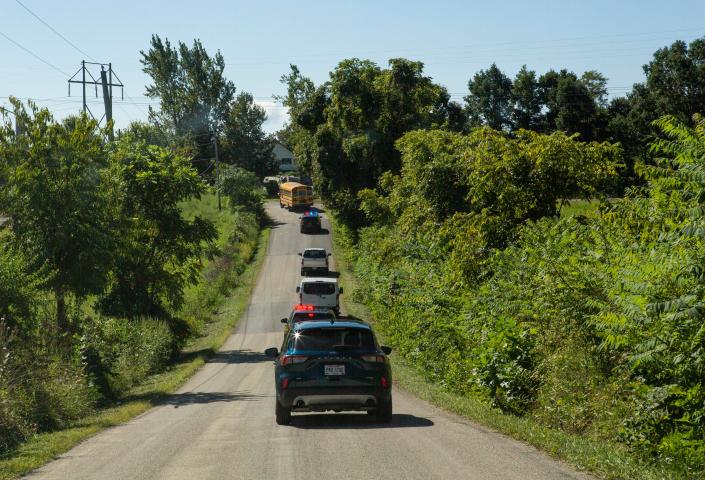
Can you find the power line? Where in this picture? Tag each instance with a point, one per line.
(54, 30)
(35, 55)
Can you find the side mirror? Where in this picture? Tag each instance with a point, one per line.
(330, 254)
(285, 320)
(300, 254)
(340, 290)
(386, 350)
(272, 352)
(298, 289)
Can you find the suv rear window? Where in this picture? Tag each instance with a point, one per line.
(333, 339)
(319, 288)
(315, 254)
(301, 316)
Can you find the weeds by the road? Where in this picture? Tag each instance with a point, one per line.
(598, 457)
(225, 291)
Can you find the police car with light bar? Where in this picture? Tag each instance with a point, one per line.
(310, 221)
(303, 313)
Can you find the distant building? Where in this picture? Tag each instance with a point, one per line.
(284, 158)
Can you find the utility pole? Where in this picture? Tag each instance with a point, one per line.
(106, 82)
(107, 101)
(217, 169)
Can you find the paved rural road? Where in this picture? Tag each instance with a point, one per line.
(220, 425)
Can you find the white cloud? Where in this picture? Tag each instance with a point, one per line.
(277, 115)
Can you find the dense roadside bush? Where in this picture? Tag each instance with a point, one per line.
(46, 386)
(243, 189)
(41, 387)
(122, 352)
(590, 324)
(76, 334)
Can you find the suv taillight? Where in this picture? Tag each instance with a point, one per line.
(373, 358)
(292, 359)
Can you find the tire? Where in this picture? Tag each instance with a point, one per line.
(283, 414)
(383, 414)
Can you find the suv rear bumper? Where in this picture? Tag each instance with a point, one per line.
(333, 398)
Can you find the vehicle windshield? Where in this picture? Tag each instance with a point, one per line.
(319, 288)
(315, 254)
(333, 339)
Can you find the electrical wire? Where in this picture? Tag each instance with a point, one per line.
(55, 31)
(35, 55)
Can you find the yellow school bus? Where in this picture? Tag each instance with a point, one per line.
(294, 195)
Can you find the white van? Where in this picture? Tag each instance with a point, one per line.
(320, 292)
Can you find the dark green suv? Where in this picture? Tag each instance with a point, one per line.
(336, 366)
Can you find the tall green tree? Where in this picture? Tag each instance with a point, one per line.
(160, 251)
(674, 85)
(344, 130)
(527, 101)
(56, 196)
(244, 141)
(490, 99)
(194, 94)
(570, 104)
(596, 85)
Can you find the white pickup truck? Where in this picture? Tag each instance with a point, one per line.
(314, 260)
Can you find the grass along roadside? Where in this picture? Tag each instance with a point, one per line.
(45, 447)
(600, 458)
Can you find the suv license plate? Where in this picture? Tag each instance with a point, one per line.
(334, 370)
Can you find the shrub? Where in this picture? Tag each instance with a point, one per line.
(41, 388)
(122, 352)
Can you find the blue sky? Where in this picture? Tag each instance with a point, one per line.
(260, 39)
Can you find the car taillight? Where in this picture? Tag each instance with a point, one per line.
(304, 307)
(285, 384)
(373, 358)
(291, 359)
(384, 382)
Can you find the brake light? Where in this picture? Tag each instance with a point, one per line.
(285, 360)
(311, 315)
(385, 383)
(285, 384)
(373, 358)
(304, 307)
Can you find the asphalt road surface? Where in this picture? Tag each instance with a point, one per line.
(220, 425)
